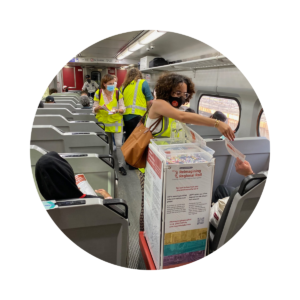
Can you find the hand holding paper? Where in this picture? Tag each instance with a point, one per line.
(243, 167)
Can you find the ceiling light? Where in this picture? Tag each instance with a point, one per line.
(124, 54)
(145, 39)
(135, 46)
(151, 36)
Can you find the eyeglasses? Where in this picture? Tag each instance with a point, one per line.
(185, 95)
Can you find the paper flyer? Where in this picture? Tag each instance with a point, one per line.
(83, 185)
(153, 204)
(233, 151)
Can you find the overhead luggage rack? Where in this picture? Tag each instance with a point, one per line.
(193, 65)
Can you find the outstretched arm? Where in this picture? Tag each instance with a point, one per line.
(163, 108)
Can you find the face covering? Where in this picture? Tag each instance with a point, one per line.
(89, 80)
(110, 88)
(55, 178)
(175, 102)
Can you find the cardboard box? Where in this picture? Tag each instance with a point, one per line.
(177, 200)
(144, 62)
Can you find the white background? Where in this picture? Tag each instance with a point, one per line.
(260, 37)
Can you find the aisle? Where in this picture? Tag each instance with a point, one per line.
(129, 190)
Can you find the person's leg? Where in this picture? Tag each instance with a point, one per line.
(110, 142)
(114, 143)
(221, 192)
(131, 124)
(142, 181)
(118, 140)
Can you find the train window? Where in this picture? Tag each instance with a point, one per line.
(230, 107)
(262, 125)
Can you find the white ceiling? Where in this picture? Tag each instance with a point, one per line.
(171, 46)
(109, 48)
(171, 43)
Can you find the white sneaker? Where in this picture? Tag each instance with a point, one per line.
(114, 148)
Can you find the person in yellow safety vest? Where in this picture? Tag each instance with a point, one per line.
(172, 91)
(137, 98)
(109, 108)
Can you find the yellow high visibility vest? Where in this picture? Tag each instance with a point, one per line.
(134, 99)
(113, 123)
(164, 133)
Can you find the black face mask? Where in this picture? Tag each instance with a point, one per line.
(175, 101)
(89, 80)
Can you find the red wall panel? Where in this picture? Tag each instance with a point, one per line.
(69, 76)
(121, 74)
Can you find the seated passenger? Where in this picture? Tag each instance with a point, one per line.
(85, 102)
(49, 99)
(223, 192)
(56, 179)
(218, 115)
(52, 91)
(41, 104)
(65, 88)
(84, 93)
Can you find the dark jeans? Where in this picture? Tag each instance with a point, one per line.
(130, 125)
(221, 192)
(91, 95)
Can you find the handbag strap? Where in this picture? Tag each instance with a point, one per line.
(155, 124)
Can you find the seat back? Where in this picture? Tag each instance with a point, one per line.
(63, 124)
(73, 102)
(238, 209)
(256, 149)
(95, 226)
(98, 169)
(82, 116)
(66, 95)
(53, 139)
(69, 106)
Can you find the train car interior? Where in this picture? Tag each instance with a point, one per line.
(109, 228)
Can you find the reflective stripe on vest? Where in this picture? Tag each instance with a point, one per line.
(113, 123)
(117, 126)
(133, 107)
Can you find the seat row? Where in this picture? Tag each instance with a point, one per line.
(99, 226)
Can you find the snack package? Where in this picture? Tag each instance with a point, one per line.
(233, 151)
(189, 158)
(83, 185)
(216, 211)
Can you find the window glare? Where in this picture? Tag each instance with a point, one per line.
(263, 126)
(230, 108)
